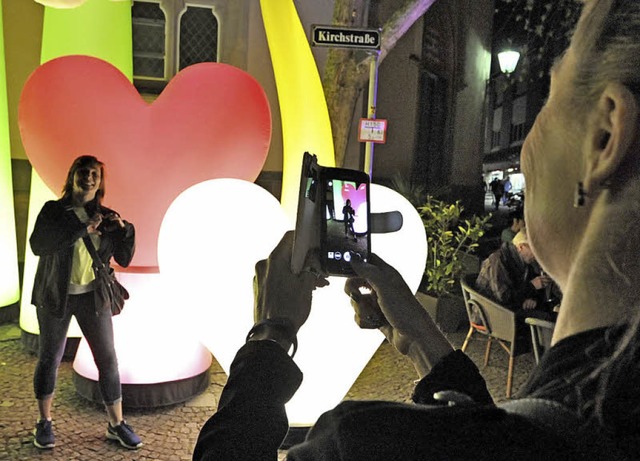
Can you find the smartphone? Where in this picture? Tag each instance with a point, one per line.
(346, 219)
(307, 233)
(334, 217)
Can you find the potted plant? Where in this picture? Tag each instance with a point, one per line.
(452, 240)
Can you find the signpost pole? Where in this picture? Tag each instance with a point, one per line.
(364, 39)
(371, 112)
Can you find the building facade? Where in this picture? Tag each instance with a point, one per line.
(431, 87)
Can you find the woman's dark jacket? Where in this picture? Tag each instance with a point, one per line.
(56, 230)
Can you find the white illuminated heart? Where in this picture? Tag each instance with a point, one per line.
(210, 239)
(209, 242)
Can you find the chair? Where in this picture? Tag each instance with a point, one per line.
(541, 333)
(492, 320)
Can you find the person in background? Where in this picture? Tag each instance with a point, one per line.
(63, 287)
(511, 276)
(497, 190)
(581, 162)
(517, 223)
(506, 190)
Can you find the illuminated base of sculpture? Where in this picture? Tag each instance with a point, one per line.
(147, 395)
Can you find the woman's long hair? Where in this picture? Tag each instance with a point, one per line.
(85, 161)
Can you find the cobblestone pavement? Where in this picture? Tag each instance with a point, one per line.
(169, 433)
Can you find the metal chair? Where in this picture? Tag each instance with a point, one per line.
(491, 320)
(541, 334)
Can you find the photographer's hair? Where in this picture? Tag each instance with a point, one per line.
(607, 47)
(85, 161)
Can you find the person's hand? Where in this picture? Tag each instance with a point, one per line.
(395, 298)
(93, 223)
(541, 281)
(278, 292)
(113, 220)
(364, 300)
(369, 314)
(407, 324)
(529, 304)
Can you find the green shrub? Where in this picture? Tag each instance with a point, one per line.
(450, 238)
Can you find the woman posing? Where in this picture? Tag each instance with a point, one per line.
(63, 287)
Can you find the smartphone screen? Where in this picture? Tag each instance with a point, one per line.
(345, 223)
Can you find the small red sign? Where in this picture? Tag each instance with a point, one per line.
(372, 130)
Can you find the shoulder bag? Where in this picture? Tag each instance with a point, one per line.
(108, 292)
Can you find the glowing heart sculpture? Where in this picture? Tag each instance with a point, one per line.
(211, 121)
(242, 226)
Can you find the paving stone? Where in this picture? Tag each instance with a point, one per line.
(170, 432)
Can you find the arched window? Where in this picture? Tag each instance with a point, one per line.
(169, 35)
(149, 41)
(198, 36)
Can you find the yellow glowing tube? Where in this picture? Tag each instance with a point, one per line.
(9, 280)
(99, 28)
(303, 108)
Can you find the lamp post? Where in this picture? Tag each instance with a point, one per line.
(508, 60)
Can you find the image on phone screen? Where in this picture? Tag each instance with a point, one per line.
(346, 229)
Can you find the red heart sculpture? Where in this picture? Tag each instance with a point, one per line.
(211, 121)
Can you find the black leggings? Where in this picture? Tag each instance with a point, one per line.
(97, 330)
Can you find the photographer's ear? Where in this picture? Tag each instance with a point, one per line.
(611, 135)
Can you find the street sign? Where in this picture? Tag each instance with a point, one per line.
(372, 130)
(346, 37)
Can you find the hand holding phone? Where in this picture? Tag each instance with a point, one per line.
(333, 217)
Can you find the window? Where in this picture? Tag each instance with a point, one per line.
(169, 35)
(518, 119)
(516, 133)
(149, 27)
(198, 36)
(496, 128)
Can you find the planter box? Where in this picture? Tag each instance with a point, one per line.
(447, 311)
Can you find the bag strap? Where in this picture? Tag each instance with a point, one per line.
(97, 261)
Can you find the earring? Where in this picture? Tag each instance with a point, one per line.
(580, 196)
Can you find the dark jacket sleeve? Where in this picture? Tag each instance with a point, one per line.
(250, 422)
(57, 227)
(455, 372)
(125, 247)
(118, 242)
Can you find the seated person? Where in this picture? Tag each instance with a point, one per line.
(517, 223)
(511, 276)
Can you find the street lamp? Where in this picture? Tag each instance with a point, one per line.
(508, 60)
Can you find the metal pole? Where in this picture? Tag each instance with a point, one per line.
(371, 112)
